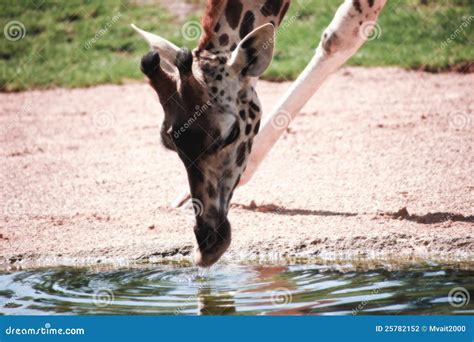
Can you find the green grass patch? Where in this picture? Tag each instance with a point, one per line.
(409, 34)
(82, 43)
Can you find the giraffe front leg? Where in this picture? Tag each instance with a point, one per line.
(346, 33)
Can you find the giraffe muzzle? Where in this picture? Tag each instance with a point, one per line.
(212, 242)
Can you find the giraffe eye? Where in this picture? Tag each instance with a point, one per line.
(234, 134)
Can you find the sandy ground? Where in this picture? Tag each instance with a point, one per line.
(84, 177)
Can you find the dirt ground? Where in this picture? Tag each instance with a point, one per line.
(84, 177)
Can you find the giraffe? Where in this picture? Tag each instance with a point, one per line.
(212, 111)
(344, 36)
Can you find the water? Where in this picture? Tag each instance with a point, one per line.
(234, 289)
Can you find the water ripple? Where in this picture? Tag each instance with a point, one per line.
(234, 289)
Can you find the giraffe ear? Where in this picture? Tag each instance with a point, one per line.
(255, 52)
(167, 50)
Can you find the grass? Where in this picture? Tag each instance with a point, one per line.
(79, 43)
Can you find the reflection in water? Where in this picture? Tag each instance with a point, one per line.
(210, 304)
(234, 289)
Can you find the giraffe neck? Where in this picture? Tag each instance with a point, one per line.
(227, 22)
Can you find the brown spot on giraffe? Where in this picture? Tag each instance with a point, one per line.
(233, 12)
(240, 154)
(357, 6)
(247, 24)
(271, 7)
(224, 39)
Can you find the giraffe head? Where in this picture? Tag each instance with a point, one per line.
(212, 114)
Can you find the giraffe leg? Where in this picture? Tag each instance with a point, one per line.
(347, 32)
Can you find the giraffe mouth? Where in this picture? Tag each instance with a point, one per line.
(212, 242)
